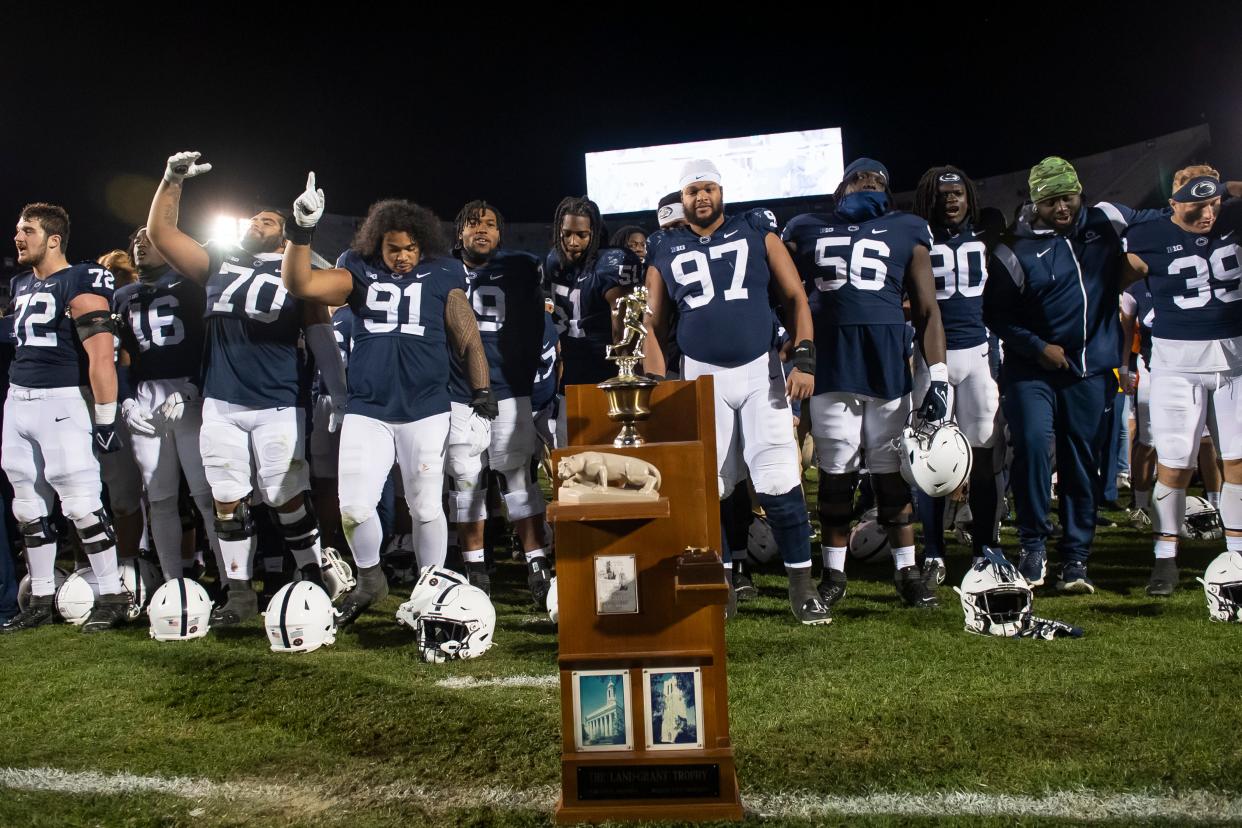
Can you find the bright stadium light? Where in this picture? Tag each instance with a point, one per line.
(228, 229)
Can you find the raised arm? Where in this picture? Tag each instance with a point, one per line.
(186, 256)
(329, 287)
(801, 382)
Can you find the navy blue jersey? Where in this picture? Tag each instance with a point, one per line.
(161, 326)
(343, 329)
(507, 296)
(544, 387)
(959, 257)
(399, 360)
(253, 329)
(49, 353)
(583, 315)
(719, 285)
(1144, 315)
(854, 275)
(1195, 279)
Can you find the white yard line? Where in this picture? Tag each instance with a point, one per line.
(1082, 805)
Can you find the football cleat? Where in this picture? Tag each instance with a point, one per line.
(743, 587)
(1074, 580)
(806, 604)
(109, 611)
(1033, 564)
(913, 589)
(831, 587)
(539, 579)
(1163, 582)
(372, 588)
(242, 605)
(479, 577)
(933, 572)
(39, 610)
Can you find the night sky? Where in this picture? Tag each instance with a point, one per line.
(442, 116)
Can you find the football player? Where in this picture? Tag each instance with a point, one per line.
(1052, 299)
(324, 445)
(1192, 264)
(161, 329)
(1135, 376)
(64, 327)
(856, 264)
(411, 313)
(253, 423)
(505, 288)
(586, 280)
(946, 198)
(718, 271)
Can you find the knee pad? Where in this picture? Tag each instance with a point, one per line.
(468, 507)
(95, 532)
(524, 504)
(39, 532)
(353, 516)
(238, 526)
(1231, 506)
(464, 471)
(836, 498)
(1168, 506)
(26, 510)
(893, 503)
(78, 509)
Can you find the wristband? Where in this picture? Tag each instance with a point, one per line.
(938, 372)
(297, 234)
(105, 413)
(804, 357)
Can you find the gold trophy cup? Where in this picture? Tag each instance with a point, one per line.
(629, 395)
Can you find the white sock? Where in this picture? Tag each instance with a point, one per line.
(1169, 508)
(1233, 544)
(799, 566)
(107, 575)
(166, 533)
(534, 554)
(1142, 499)
(431, 541)
(834, 557)
(41, 561)
(728, 565)
(1166, 549)
(903, 556)
(1231, 506)
(207, 510)
(236, 555)
(1213, 499)
(364, 541)
(474, 556)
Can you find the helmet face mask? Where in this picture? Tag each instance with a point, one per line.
(1222, 587)
(936, 457)
(996, 599)
(1202, 521)
(459, 624)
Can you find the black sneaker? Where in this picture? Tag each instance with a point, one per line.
(743, 587)
(913, 589)
(41, 610)
(372, 588)
(807, 606)
(242, 605)
(831, 587)
(110, 611)
(1163, 581)
(1074, 580)
(478, 576)
(539, 579)
(933, 572)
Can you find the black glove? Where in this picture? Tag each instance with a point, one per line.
(804, 357)
(935, 405)
(484, 404)
(106, 438)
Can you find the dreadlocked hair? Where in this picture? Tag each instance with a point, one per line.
(394, 215)
(577, 206)
(928, 191)
(473, 211)
(622, 235)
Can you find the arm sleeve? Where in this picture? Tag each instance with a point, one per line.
(1002, 303)
(321, 342)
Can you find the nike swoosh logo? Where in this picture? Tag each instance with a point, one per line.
(699, 177)
(281, 407)
(583, 278)
(497, 276)
(1163, 496)
(976, 233)
(61, 419)
(878, 232)
(1041, 255)
(1227, 235)
(421, 275)
(174, 284)
(726, 235)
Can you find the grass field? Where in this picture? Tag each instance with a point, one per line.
(889, 715)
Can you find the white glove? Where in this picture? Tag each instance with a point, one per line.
(137, 418)
(173, 407)
(182, 165)
(478, 434)
(336, 415)
(308, 208)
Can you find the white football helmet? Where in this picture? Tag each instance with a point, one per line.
(554, 604)
(1202, 521)
(179, 611)
(869, 540)
(140, 579)
(459, 624)
(338, 575)
(300, 618)
(431, 582)
(936, 457)
(23, 588)
(995, 597)
(76, 597)
(1222, 586)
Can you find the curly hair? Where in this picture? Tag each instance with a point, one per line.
(473, 211)
(928, 191)
(394, 215)
(585, 208)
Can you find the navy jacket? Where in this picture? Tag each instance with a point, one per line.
(1062, 288)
